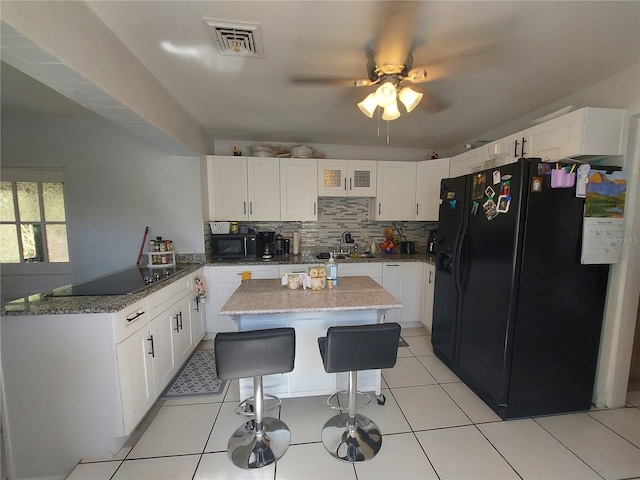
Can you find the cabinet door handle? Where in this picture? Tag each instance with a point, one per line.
(153, 350)
(139, 313)
(250, 208)
(393, 265)
(430, 275)
(180, 316)
(417, 208)
(345, 184)
(244, 207)
(314, 208)
(177, 329)
(379, 207)
(522, 147)
(515, 150)
(350, 185)
(197, 299)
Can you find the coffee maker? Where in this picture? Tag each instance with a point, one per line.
(264, 239)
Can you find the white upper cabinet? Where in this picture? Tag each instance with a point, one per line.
(429, 175)
(590, 132)
(467, 162)
(585, 133)
(227, 179)
(508, 149)
(263, 177)
(298, 189)
(396, 192)
(346, 178)
(242, 188)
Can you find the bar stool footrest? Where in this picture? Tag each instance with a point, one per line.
(246, 408)
(335, 405)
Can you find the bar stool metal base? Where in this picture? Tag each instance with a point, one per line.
(351, 441)
(249, 449)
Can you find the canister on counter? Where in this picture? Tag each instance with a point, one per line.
(234, 228)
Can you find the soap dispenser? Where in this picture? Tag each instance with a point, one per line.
(332, 271)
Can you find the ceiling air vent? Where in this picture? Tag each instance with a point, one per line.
(238, 39)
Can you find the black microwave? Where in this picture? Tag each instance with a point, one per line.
(237, 245)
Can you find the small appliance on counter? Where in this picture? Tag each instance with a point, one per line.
(234, 246)
(408, 248)
(265, 239)
(279, 245)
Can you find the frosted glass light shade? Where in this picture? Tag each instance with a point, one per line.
(410, 98)
(386, 94)
(368, 105)
(391, 112)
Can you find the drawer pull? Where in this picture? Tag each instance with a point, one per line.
(139, 313)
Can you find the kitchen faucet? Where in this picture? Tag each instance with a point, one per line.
(346, 238)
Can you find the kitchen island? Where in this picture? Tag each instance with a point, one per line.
(265, 303)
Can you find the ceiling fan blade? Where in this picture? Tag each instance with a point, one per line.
(395, 37)
(329, 81)
(462, 61)
(432, 103)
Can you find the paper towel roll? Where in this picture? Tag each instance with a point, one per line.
(296, 243)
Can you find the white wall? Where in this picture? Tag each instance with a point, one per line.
(115, 186)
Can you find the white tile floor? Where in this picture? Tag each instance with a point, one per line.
(433, 426)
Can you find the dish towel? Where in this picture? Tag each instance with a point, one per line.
(201, 291)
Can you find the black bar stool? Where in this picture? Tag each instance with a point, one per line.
(352, 437)
(262, 440)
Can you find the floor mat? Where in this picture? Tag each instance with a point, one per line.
(197, 378)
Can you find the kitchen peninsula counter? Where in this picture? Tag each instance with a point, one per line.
(259, 297)
(265, 303)
(44, 304)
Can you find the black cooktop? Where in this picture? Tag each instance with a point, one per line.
(128, 281)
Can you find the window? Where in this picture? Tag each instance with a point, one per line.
(32, 216)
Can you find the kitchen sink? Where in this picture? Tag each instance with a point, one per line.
(350, 256)
(347, 256)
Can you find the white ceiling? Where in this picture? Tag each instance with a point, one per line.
(489, 62)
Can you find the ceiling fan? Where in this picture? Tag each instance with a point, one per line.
(390, 66)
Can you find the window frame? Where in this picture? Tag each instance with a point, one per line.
(39, 175)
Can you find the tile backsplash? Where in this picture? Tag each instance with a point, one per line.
(336, 216)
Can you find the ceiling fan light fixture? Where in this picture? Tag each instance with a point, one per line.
(368, 105)
(410, 98)
(391, 112)
(386, 94)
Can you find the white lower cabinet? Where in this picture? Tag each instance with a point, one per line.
(135, 369)
(163, 359)
(369, 269)
(403, 280)
(428, 280)
(392, 283)
(411, 292)
(223, 281)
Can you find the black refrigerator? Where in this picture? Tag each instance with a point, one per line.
(516, 315)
